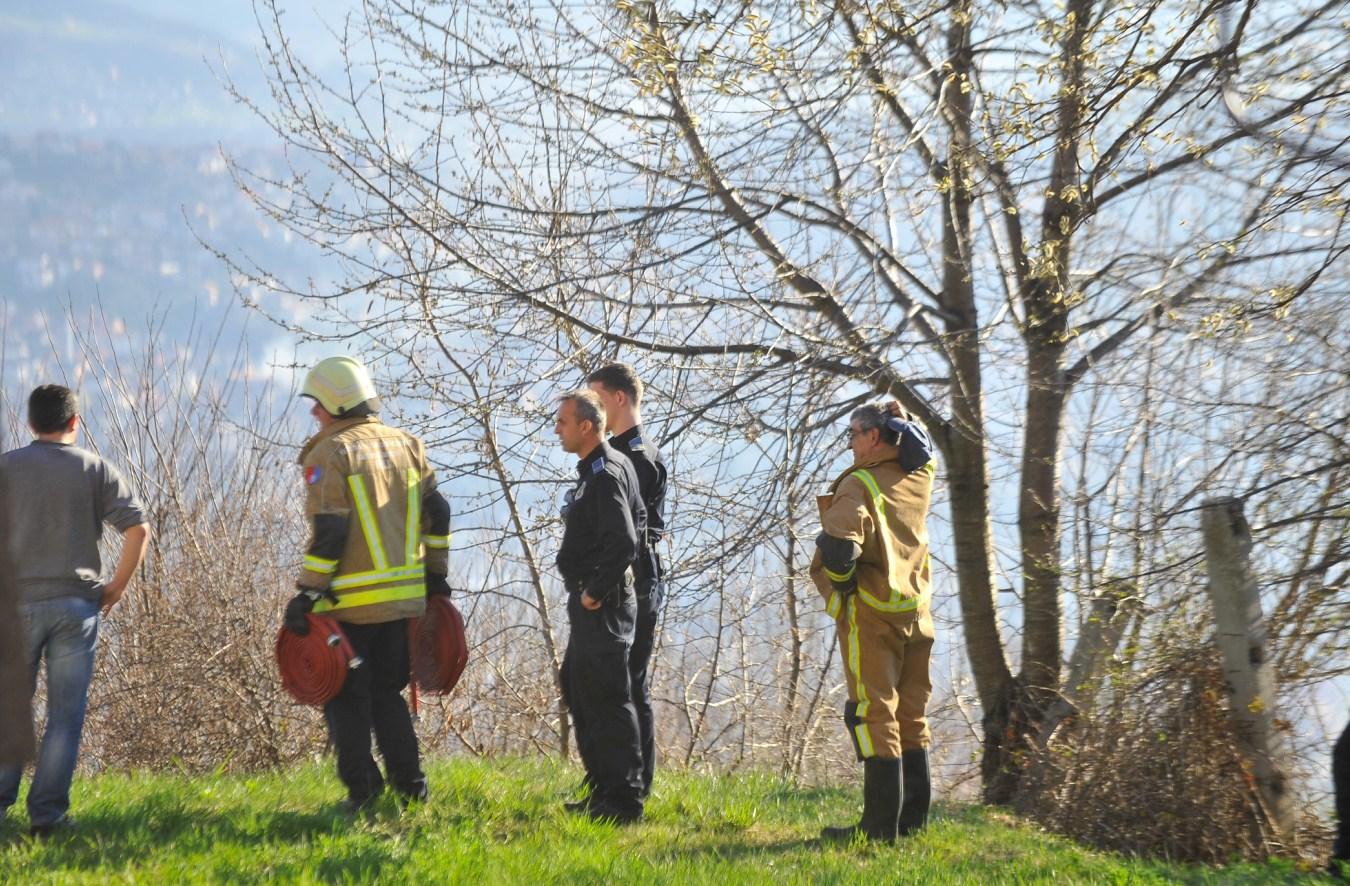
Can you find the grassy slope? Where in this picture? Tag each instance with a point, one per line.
(500, 821)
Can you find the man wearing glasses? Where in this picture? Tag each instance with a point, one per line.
(872, 567)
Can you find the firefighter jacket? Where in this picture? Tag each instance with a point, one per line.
(379, 525)
(882, 508)
(651, 473)
(604, 524)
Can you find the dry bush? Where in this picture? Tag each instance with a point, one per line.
(185, 673)
(1157, 772)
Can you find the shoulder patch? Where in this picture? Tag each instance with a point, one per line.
(636, 444)
(597, 466)
(313, 474)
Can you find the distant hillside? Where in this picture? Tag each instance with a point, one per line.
(113, 73)
(90, 221)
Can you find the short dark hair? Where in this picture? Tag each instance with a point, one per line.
(875, 415)
(618, 377)
(51, 407)
(588, 406)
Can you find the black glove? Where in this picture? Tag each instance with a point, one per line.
(839, 556)
(437, 586)
(301, 605)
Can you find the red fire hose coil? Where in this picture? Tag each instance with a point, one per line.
(438, 646)
(314, 667)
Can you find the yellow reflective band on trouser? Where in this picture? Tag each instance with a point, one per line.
(362, 579)
(835, 576)
(898, 602)
(437, 542)
(832, 604)
(860, 688)
(413, 524)
(320, 565)
(369, 528)
(369, 598)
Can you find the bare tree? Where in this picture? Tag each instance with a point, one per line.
(941, 202)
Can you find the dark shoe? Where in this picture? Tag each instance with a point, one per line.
(418, 794)
(881, 804)
(353, 806)
(918, 792)
(586, 790)
(63, 825)
(604, 812)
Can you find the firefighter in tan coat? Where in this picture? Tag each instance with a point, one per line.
(380, 534)
(872, 567)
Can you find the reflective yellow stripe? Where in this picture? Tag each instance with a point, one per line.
(361, 579)
(898, 602)
(437, 542)
(871, 483)
(320, 565)
(855, 665)
(413, 527)
(369, 528)
(864, 741)
(369, 598)
(832, 604)
(835, 576)
(904, 604)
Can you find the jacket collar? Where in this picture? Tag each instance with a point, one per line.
(624, 442)
(337, 427)
(885, 459)
(594, 462)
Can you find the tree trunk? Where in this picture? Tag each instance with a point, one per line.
(967, 467)
(1241, 634)
(1038, 519)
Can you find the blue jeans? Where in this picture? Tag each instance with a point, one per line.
(63, 630)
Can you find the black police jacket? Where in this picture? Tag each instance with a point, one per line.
(652, 477)
(605, 524)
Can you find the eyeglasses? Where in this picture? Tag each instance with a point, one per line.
(851, 433)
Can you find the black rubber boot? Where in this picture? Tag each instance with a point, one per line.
(918, 792)
(881, 804)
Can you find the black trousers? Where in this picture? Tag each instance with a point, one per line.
(372, 699)
(1340, 775)
(640, 679)
(597, 690)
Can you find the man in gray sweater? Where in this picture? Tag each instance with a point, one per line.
(56, 499)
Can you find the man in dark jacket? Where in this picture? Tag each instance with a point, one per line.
(604, 523)
(620, 390)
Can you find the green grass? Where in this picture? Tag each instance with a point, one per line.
(500, 822)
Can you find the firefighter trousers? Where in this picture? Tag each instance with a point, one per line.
(886, 665)
(372, 699)
(597, 689)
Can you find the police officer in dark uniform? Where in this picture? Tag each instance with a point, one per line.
(620, 390)
(605, 523)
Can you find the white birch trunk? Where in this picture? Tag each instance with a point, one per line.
(1240, 632)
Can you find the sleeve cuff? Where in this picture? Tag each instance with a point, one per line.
(310, 581)
(321, 565)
